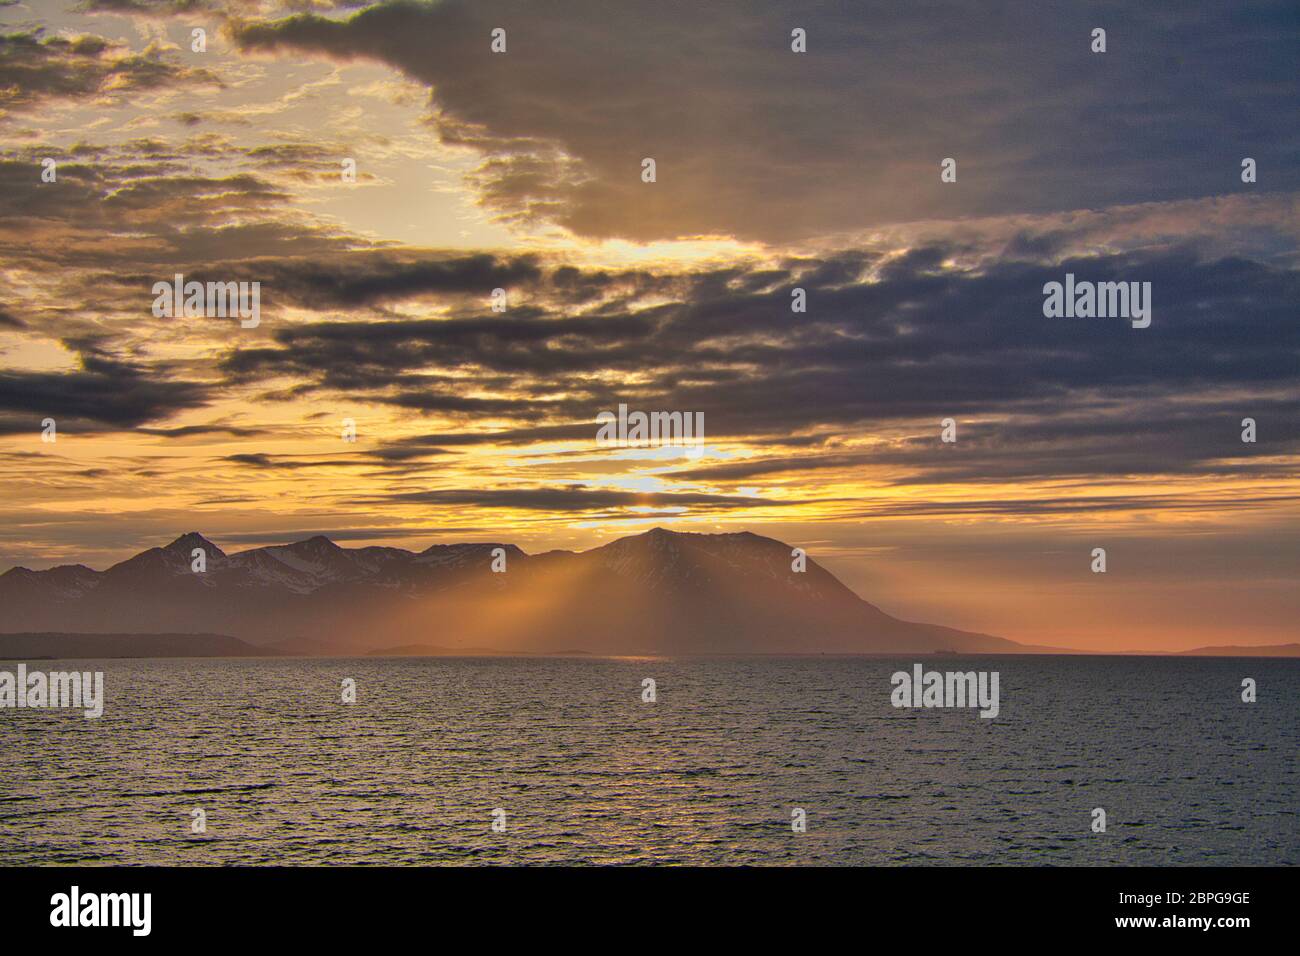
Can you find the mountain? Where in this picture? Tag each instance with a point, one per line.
(1253, 650)
(27, 647)
(660, 592)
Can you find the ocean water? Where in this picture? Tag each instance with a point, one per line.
(708, 774)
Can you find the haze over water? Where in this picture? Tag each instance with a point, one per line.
(708, 774)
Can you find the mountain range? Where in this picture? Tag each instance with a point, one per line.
(660, 592)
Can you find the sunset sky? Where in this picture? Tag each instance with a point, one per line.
(775, 170)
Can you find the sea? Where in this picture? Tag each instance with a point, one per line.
(762, 761)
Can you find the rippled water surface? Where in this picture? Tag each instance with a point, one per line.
(708, 774)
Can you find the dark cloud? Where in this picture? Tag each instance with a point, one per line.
(576, 498)
(1080, 504)
(371, 279)
(189, 431)
(1088, 440)
(420, 446)
(176, 8)
(360, 354)
(111, 193)
(35, 68)
(178, 220)
(916, 342)
(463, 281)
(105, 393)
(756, 141)
(262, 460)
(749, 469)
(152, 6)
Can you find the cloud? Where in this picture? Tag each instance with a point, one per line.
(123, 217)
(176, 8)
(577, 498)
(35, 69)
(105, 393)
(886, 348)
(189, 431)
(262, 460)
(1079, 504)
(421, 446)
(755, 141)
(379, 278)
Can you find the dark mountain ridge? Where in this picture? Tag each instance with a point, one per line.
(660, 592)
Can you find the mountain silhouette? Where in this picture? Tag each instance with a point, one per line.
(660, 592)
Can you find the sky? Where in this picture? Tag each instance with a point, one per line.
(775, 170)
